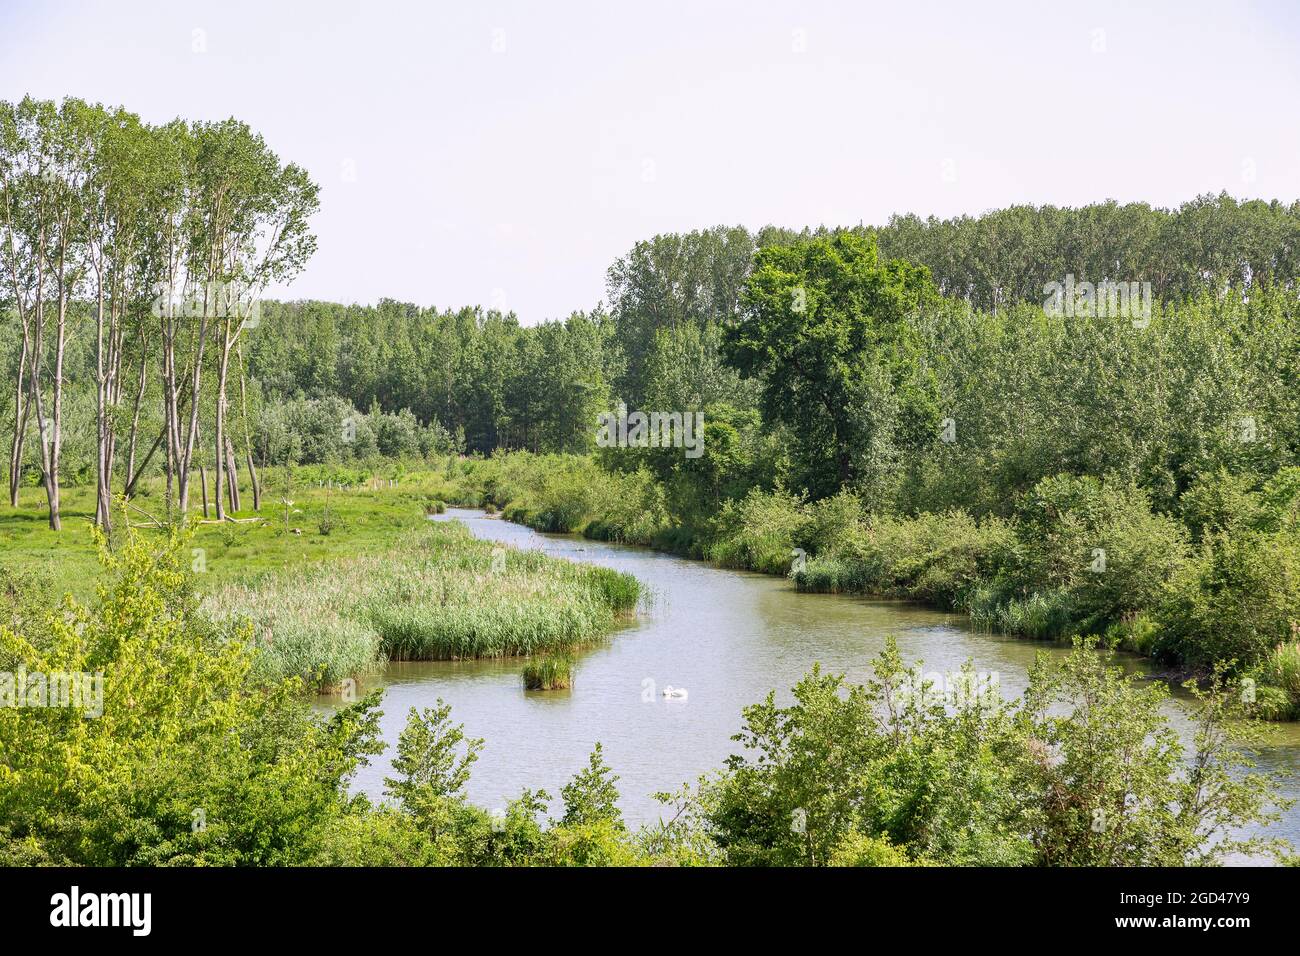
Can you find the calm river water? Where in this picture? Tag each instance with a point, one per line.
(727, 637)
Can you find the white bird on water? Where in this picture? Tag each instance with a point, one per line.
(676, 693)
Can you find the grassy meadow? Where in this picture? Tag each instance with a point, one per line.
(340, 573)
(306, 517)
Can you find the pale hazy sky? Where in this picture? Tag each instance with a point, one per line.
(506, 153)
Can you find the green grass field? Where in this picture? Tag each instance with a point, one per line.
(319, 524)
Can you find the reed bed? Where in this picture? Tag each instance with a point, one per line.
(440, 594)
(548, 673)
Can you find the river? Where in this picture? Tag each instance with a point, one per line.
(727, 637)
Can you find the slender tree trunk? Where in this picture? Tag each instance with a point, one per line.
(20, 427)
(133, 474)
(133, 436)
(223, 373)
(37, 401)
(203, 479)
(218, 470)
(255, 481)
(21, 405)
(233, 471)
(56, 439)
(102, 478)
(248, 438)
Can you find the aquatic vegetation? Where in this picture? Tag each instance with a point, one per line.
(548, 673)
(440, 594)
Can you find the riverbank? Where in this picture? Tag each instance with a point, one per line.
(437, 594)
(1078, 557)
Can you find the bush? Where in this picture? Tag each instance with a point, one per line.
(1277, 679)
(834, 524)
(759, 532)
(380, 836)
(1100, 544)
(832, 576)
(937, 558)
(1042, 615)
(1236, 601)
(1219, 502)
(626, 507)
(859, 849)
(1137, 633)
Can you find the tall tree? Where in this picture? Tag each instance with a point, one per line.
(825, 327)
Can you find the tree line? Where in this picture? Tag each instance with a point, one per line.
(133, 258)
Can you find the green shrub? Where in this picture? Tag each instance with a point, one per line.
(1280, 502)
(1219, 502)
(1279, 672)
(379, 836)
(1100, 544)
(859, 849)
(626, 507)
(1136, 633)
(1273, 703)
(937, 558)
(1236, 601)
(834, 524)
(1041, 615)
(759, 532)
(832, 576)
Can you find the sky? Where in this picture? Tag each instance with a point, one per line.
(505, 154)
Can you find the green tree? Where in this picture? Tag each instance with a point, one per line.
(591, 796)
(433, 769)
(825, 327)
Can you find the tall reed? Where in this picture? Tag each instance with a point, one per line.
(440, 594)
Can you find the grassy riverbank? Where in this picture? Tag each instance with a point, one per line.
(341, 572)
(436, 594)
(308, 515)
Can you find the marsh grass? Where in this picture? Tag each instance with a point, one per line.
(548, 673)
(437, 595)
(1279, 678)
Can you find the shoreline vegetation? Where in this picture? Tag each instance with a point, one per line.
(1030, 575)
(437, 594)
(204, 761)
(324, 596)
